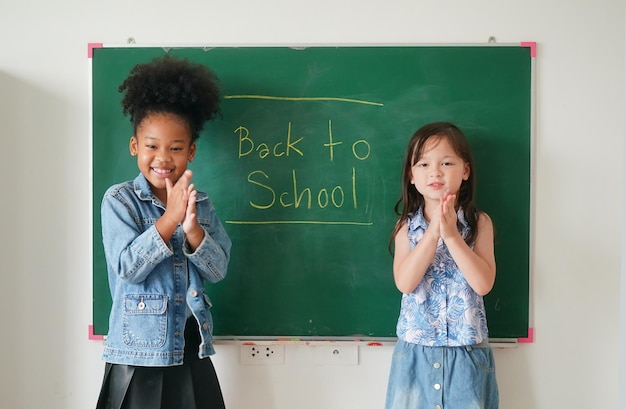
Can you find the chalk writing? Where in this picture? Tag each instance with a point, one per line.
(270, 189)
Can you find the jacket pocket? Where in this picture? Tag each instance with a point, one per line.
(145, 320)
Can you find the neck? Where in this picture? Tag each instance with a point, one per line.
(429, 209)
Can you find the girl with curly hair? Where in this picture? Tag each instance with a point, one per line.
(162, 241)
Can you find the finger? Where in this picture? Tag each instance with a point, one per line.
(449, 203)
(452, 203)
(190, 218)
(446, 194)
(191, 203)
(187, 176)
(168, 185)
(443, 207)
(182, 182)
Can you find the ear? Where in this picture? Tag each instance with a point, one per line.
(410, 175)
(466, 173)
(132, 145)
(192, 152)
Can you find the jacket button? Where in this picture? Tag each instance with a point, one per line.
(194, 293)
(205, 326)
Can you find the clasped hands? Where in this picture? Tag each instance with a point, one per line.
(181, 203)
(443, 221)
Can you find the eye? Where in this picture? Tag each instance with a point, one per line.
(151, 146)
(177, 148)
(448, 164)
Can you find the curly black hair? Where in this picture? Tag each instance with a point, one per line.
(167, 84)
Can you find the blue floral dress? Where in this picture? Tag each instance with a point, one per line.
(443, 310)
(442, 359)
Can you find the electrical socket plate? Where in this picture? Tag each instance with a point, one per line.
(262, 354)
(336, 355)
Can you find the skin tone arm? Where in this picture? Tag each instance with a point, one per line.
(409, 266)
(181, 208)
(477, 266)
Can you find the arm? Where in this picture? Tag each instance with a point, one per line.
(409, 266)
(478, 266)
(212, 253)
(194, 233)
(130, 252)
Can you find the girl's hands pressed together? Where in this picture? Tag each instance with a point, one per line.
(448, 218)
(434, 226)
(189, 221)
(191, 227)
(181, 209)
(177, 197)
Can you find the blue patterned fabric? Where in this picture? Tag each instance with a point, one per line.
(443, 310)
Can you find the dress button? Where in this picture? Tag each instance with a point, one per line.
(437, 406)
(437, 365)
(194, 293)
(437, 386)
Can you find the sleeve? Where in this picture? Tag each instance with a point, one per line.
(131, 253)
(213, 254)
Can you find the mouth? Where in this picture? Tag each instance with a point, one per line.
(164, 173)
(435, 185)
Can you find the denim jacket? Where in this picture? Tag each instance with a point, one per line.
(153, 283)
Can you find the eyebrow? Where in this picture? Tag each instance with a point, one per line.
(154, 138)
(443, 157)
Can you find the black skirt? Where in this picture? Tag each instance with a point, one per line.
(193, 385)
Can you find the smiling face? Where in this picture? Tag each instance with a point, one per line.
(163, 147)
(439, 169)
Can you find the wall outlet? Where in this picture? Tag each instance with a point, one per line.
(336, 355)
(262, 354)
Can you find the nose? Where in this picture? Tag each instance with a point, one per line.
(163, 155)
(435, 171)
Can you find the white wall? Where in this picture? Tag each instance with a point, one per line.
(47, 361)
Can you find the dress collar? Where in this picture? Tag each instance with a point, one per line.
(417, 221)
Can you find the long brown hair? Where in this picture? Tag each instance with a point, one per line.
(411, 200)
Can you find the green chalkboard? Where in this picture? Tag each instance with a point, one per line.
(304, 170)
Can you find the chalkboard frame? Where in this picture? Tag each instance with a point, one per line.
(494, 303)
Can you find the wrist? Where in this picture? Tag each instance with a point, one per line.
(431, 234)
(166, 227)
(167, 218)
(455, 236)
(195, 234)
